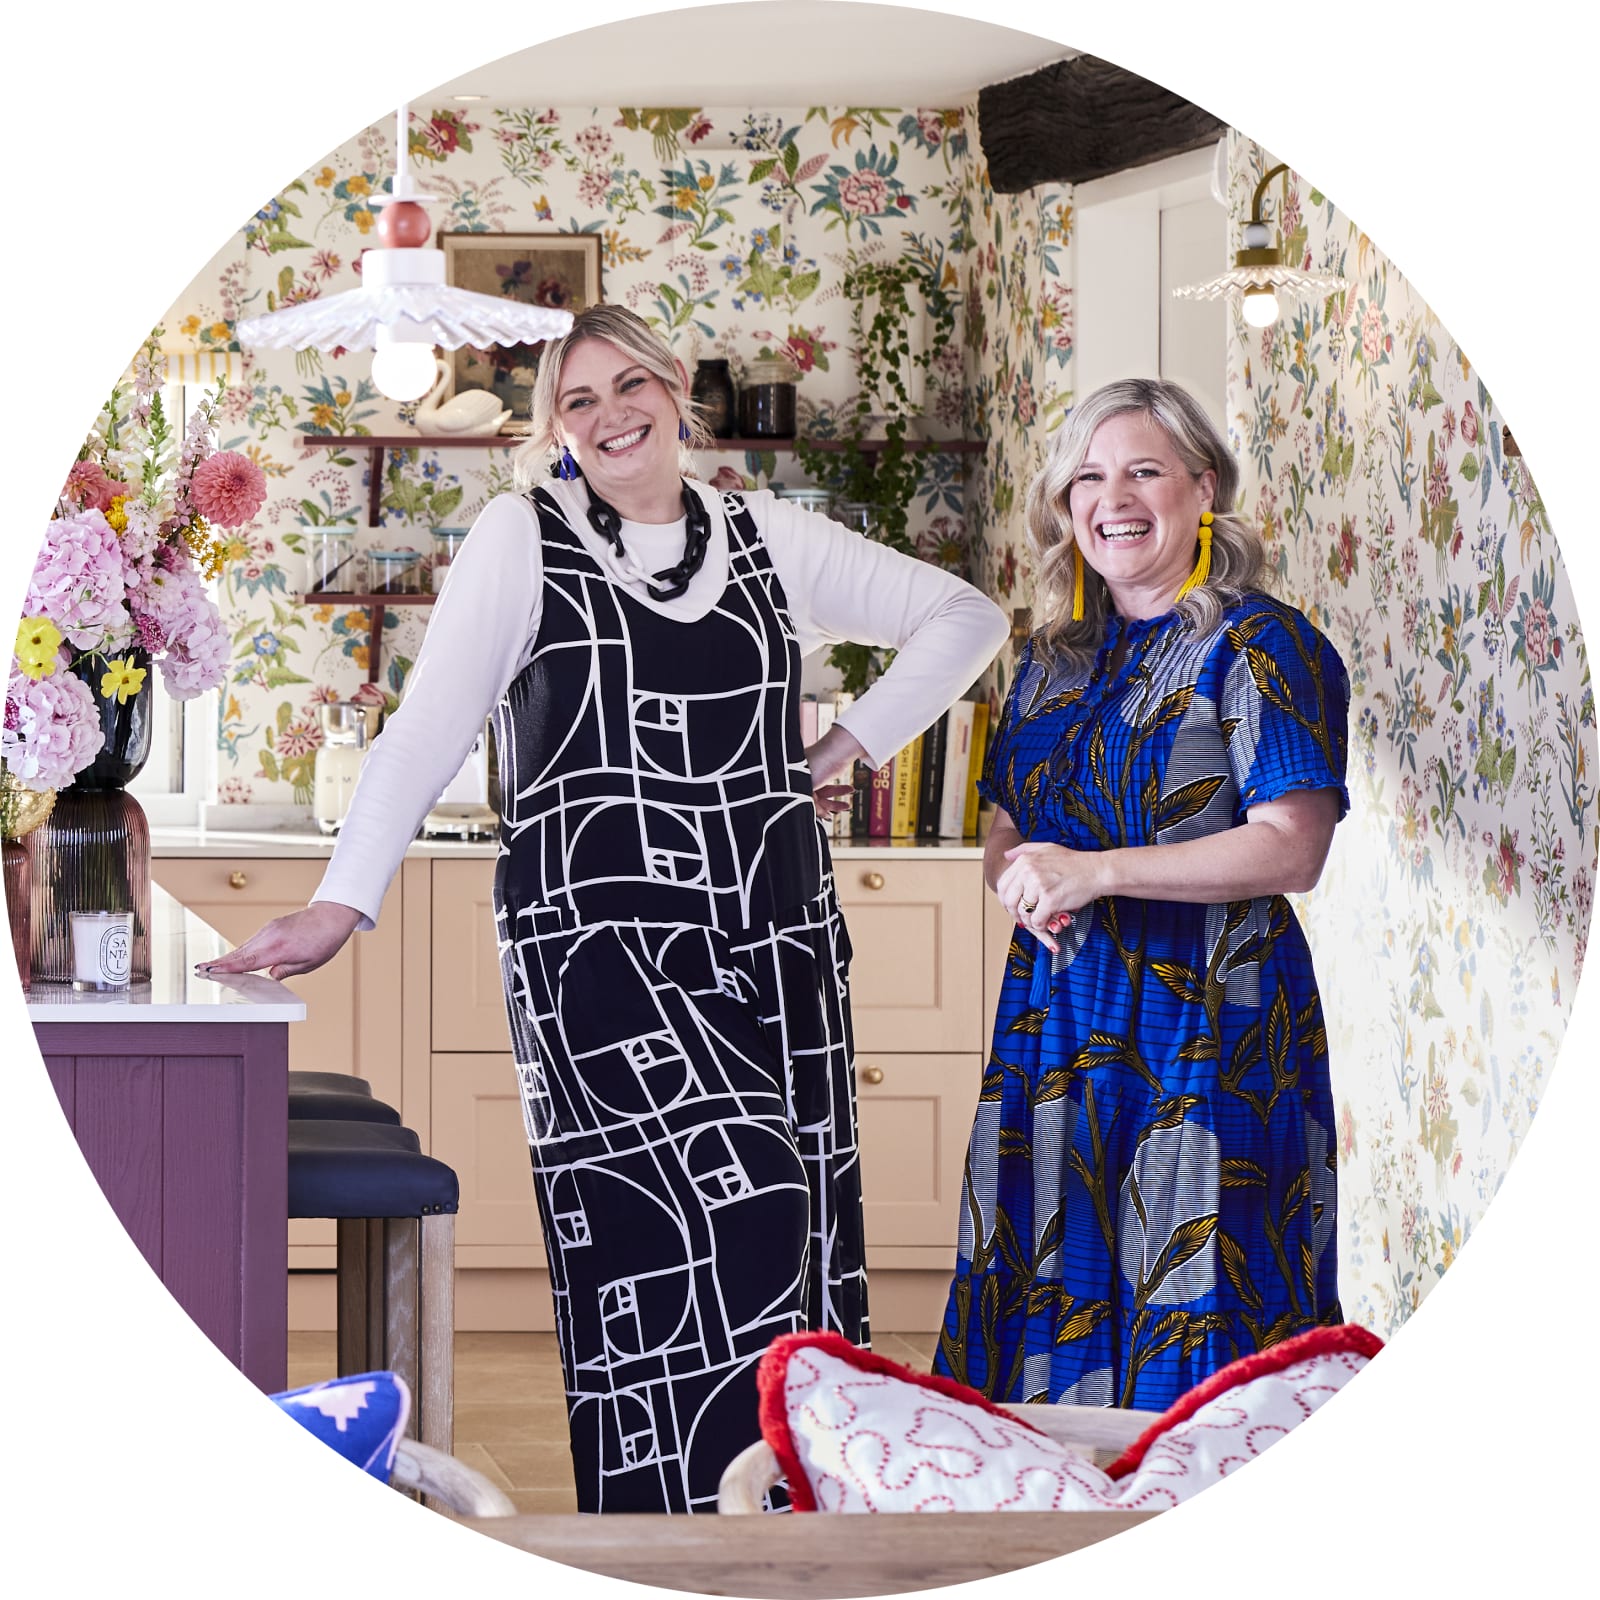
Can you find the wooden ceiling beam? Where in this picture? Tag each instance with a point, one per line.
(1081, 119)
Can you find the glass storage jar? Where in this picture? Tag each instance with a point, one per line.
(855, 514)
(712, 393)
(446, 547)
(334, 565)
(395, 571)
(818, 500)
(766, 402)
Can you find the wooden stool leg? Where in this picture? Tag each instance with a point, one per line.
(435, 1393)
(359, 1295)
(402, 1279)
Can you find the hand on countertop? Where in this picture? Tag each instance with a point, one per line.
(300, 942)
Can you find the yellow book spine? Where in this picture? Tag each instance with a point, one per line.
(907, 789)
(980, 743)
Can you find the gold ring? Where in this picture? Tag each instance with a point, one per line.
(1030, 905)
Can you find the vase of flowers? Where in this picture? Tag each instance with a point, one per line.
(118, 588)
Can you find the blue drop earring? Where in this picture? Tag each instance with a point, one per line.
(566, 467)
(683, 431)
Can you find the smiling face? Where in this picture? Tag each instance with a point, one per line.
(1136, 513)
(621, 425)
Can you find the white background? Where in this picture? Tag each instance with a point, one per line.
(1454, 135)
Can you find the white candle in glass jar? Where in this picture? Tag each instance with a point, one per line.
(102, 949)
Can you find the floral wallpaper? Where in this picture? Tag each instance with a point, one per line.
(729, 231)
(1017, 352)
(1450, 926)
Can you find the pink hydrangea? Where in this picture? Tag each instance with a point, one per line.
(227, 489)
(52, 729)
(198, 659)
(78, 582)
(173, 594)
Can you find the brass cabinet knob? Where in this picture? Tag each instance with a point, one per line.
(872, 1074)
(237, 880)
(872, 880)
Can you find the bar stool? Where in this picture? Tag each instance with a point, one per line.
(395, 1210)
(337, 1097)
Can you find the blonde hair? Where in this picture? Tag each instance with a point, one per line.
(634, 337)
(1237, 554)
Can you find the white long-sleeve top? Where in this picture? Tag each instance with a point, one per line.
(840, 586)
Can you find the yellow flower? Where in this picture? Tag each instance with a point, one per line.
(117, 516)
(324, 179)
(191, 326)
(219, 330)
(342, 398)
(364, 221)
(707, 183)
(37, 645)
(359, 185)
(323, 416)
(122, 679)
(685, 197)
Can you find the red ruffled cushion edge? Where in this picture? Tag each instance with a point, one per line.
(1344, 1336)
(775, 1412)
(770, 1376)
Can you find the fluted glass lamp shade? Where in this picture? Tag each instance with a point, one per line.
(403, 294)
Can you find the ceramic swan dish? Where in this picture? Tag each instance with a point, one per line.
(471, 411)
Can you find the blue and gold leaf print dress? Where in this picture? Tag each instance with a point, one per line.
(1150, 1184)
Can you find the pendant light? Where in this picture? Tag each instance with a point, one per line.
(403, 307)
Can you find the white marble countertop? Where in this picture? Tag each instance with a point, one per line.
(175, 993)
(300, 841)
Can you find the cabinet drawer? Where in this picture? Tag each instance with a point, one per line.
(469, 1008)
(478, 1130)
(915, 1117)
(916, 980)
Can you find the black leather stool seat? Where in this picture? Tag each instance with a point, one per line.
(326, 1105)
(327, 1083)
(365, 1169)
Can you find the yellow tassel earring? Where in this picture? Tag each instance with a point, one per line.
(1077, 584)
(1202, 567)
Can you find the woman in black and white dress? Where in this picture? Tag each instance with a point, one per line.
(674, 960)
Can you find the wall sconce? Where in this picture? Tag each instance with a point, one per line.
(403, 307)
(1259, 272)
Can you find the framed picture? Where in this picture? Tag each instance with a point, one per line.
(542, 269)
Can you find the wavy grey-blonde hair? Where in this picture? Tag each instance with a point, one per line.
(1237, 554)
(633, 336)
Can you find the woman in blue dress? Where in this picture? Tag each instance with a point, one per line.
(1150, 1184)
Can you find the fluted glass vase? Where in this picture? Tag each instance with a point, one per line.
(94, 852)
(16, 881)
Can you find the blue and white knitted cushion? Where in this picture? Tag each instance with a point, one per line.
(362, 1417)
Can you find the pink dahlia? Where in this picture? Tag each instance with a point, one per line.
(52, 729)
(89, 488)
(228, 489)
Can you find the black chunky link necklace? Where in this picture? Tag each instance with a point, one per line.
(604, 520)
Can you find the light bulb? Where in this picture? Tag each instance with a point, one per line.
(404, 371)
(1260, 310)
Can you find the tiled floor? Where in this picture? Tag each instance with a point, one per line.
(511, 1418)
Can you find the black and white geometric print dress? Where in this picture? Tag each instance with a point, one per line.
(675, 970)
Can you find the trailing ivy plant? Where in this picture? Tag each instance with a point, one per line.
(885, 479)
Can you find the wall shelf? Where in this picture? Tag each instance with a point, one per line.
(378, 445)
(375, 605)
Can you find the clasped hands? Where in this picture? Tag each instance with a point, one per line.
(1045, 886)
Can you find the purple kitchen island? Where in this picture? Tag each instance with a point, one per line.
(177, 1093)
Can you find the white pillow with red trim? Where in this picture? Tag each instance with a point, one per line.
(854, 1431)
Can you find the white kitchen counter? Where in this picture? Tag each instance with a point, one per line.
(301, 841)
(175, 993)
